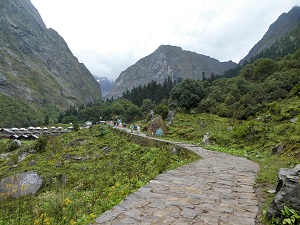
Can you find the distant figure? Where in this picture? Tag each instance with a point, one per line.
(138, 128)
(159, 132)
(150, 132)
(152, 114)
(119, 122)
(131, 128)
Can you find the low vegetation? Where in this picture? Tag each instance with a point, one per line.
(85, 173)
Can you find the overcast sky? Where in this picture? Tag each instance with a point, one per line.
(108, 36)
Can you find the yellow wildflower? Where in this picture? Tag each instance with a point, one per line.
(67, 201)
(47, 221)
(72, 222)
(92, 215)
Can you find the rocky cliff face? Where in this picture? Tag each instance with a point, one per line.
(286, 23)
(168, 61)
(36, 64)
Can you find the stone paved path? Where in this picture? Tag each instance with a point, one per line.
(215, 190)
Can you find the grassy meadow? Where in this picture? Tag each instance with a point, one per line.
(85, 173)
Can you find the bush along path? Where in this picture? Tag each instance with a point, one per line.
(217, 189)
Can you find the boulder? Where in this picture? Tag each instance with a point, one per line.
(156, 124)
(170, 117)
(294, 120)
(205, 139)
(107, 149)
(20, 184)
(13, 145)
(287, 191)
(31, 162)
(230, 128)
(277, 149)
(22, 156)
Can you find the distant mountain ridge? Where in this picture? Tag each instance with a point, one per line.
(286, 23)
(36, 64)
(168, 61)
(105, 84)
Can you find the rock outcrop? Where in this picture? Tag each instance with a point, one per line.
(287, 191)
(20, 185)
(168, 61)
(157, 127)
(36, 64)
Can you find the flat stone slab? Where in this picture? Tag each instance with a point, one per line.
(215, 190)
(20, 184)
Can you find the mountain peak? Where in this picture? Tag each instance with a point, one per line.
(105, 84)
(167, 48)
(168, 61)
(285, 23)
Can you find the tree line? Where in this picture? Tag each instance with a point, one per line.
(258, 85)
(241, 92)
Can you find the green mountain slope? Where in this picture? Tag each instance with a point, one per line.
(36, 65)
(286, 23)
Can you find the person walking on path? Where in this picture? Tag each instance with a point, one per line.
(138, 128)
(131, 128)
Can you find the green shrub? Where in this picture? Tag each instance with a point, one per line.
(41, 144)
(12, 145)
(288, 216)
(14, 158)
(2, 147)
(76, 127)
(103, 130)
(244, 130)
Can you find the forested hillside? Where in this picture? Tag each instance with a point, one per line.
(259, 84)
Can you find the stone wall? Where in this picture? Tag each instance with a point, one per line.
(155, 142)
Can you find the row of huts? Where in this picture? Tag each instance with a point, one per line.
(31, 133)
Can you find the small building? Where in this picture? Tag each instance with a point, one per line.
(69, 129)
(62, 131)
(32, 137)
(22, 137)
(31, 129)
(27, 132)
(38, 130)
(45, 130)
(15, 130)
(14, 136)
(5, 133)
